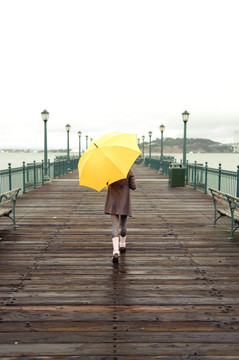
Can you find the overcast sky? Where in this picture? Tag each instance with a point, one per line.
(127, 65)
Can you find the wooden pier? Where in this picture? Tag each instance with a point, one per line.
(173, 295)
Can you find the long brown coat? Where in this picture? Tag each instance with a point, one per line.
(118, 196)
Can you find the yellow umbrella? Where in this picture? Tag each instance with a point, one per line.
(108, 159)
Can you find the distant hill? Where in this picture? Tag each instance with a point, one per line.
(171, 145)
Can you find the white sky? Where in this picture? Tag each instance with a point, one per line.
(127, 65)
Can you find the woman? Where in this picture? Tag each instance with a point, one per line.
(118, 205)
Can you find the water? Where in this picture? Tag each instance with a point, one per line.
(229, 161)
(16, 159)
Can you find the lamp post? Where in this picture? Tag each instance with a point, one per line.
(68, 127)
(143, 137)
(86, 142)
(45, 117)
(79, 134)
(162, 128)
(185, 116)
(150, 135)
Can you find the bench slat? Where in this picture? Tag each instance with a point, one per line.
(4, 212)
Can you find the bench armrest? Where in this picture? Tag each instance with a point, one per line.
(10, 195)
(221, 205)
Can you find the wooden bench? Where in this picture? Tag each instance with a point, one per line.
(8, 204)
(226, 205)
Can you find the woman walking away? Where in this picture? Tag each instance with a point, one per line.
(118, 205)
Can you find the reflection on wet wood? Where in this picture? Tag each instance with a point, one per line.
(173, 295)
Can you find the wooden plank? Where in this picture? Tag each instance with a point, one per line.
(174, 293)
(125, 349)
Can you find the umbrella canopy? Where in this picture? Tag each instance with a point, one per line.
(108, 159)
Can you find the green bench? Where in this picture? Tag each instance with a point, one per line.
(8, 204)
(226, 205)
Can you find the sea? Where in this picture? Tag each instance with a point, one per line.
(16, 158)
(229, 161)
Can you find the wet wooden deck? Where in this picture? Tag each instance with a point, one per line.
(173, 295)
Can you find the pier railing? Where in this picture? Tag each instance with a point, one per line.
(29, 176)
(200, 176)
(156, 163)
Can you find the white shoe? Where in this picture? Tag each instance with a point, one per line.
(116, 252)
(122, 247)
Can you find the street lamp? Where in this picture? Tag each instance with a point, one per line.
(86, 142)
(143, 137)
(162, 128)
(45, 117)
(185, 116)
(68, 127)
(79, 134)
(150, 135)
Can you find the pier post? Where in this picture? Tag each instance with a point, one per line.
(195, 174)
(162, 128)
(34, 173)
(49, 169)
(219, 176)
(24, 177)
(186, 172)
(205, 189)
(10, 176)
(150, 136)
(68, 128)
(42, 172)
(237, 194)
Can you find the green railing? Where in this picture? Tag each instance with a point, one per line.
(31, 175)
(156, 163)
(200, 176)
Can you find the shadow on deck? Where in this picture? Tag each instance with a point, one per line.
(173, 295)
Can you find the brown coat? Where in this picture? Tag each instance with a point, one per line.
(118, 196)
